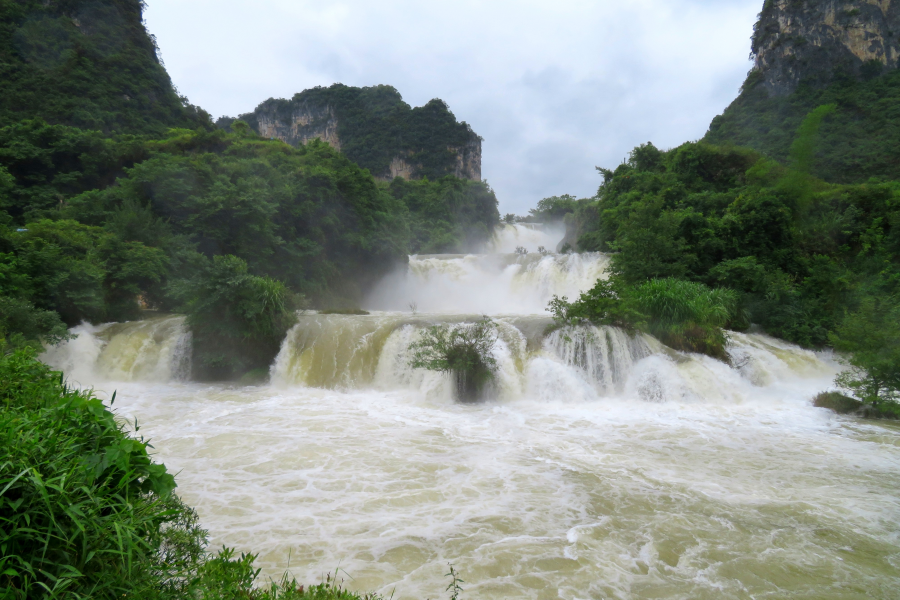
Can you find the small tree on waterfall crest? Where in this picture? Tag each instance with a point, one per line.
(463, 351)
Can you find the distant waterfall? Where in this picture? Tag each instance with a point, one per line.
(493, 284)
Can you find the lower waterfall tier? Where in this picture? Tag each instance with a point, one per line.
(357, 352)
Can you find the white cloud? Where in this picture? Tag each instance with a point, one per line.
(555, 88)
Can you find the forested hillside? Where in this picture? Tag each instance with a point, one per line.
(116, 196)
(858, 141)
(86, 64)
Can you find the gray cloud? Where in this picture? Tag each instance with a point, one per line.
(555, 88)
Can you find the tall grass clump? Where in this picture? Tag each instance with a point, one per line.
(686, 315)
(82, 505)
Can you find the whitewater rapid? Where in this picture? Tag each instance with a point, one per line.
(608, 466)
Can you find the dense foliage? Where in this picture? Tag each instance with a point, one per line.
(87, 64)
(237, 320)
(375, 125)
(858, 142)
(684, 315)
(811, 262)
(462, 351)
(799, 251)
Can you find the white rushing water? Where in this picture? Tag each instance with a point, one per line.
(607, 467)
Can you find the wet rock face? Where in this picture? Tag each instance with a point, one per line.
(815, 40)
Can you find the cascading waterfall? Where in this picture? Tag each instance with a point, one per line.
(352, 352)
(607, 466)
(606, 355)
(492, 284)
(155, 349)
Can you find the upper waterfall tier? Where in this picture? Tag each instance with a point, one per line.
(529, 236)
(489, 284)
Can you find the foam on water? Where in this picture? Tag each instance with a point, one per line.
(549, 493)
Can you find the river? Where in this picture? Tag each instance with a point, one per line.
(606, 467)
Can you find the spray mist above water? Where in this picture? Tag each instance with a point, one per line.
(606, 466)
(499, 283)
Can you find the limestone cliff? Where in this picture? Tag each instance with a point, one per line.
(811, 40)
(298, 125)
(376, 129)
(810, 53)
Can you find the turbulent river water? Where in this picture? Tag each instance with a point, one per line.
(607, 466)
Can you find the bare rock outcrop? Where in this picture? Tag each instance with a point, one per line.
(797, 40)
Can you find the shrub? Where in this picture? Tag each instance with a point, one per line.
(600, 305)
(22, 324)
(463, 351)
(686, 315)
(237, 319)
(872, 337)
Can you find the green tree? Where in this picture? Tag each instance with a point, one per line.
(237, 320)
(871, 337)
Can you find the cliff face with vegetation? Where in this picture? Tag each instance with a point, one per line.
(810, 54)
(809, 40)
(376, 129)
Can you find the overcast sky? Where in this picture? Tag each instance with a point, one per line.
(554, 88)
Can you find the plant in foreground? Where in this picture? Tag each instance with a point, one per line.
(453, 587)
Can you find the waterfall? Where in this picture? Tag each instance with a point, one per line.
(156, 349)
(606, 355)
(359, 352)
(492, 284)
